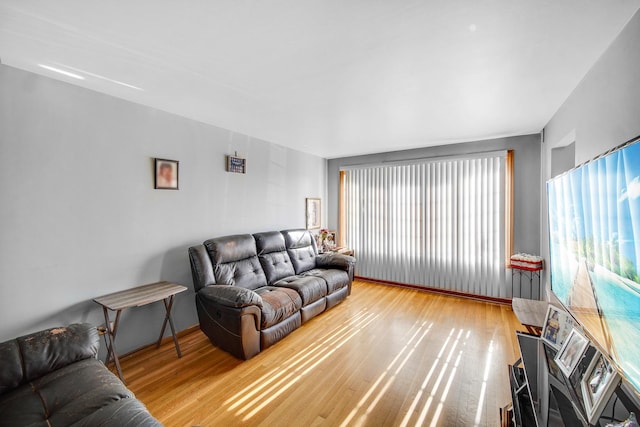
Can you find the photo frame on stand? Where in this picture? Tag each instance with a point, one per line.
(597, 384)
(557, 326)
(571, 352)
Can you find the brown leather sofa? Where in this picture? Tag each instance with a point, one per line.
(52, 378)
(253, 290)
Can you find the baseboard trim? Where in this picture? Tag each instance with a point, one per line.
(501, 301)
(494, 300)
(182, 333)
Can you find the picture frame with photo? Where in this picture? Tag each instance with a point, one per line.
(313, 213)
(557, 326)
(166, 174)
(597, 384)
(571, 352)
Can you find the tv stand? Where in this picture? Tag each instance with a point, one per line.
(529, 409)
(542, 396)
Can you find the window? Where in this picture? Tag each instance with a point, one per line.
(433, 222)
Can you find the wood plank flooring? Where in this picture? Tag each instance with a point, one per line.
(386, 356)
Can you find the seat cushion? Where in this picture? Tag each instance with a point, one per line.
(66, 396)
(122, 413)
(310, 288)
(335, 279)
(277, 304)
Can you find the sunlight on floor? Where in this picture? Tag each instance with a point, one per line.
(365, 398)
(485, 378)
(270, 386)
(422, 418)
(427, 405)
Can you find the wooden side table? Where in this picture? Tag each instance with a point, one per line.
(343, 251)
(136, 297)
(533, 273)
(346, 251)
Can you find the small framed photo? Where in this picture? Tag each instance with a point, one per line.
(313, 213)
(571, 352)
(166, 174)
(236, 164)
(599, 381)
(557, 326)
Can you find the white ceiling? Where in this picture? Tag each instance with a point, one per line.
(328, 77)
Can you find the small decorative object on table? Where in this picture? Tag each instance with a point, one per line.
(527, 262)
(629, 422)
(325, 240)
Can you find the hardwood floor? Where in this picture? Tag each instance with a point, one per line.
(386, 356)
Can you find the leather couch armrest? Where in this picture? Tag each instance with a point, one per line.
(338, 261)
(231, 296)
(333, 260)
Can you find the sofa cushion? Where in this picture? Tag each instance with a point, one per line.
(276, 266)
(201, 267)
(31, 356)
(310, 288)
(236, 261)
(122, 413)
(270, 241)
(231, 248)
(246, 273)
(21, 406)
(66, 396)
(301, 248)
(11, 367)
(273, 256)
(277, 304)
(335, 279)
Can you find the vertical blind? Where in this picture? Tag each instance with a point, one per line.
(437, 222)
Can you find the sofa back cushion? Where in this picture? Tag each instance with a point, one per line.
(201, 267)
(11, 375)
(273, 256)
(302, 250)
(32, 356)
(235, 261)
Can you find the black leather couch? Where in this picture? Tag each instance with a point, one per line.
(253, 290)
(53, 378)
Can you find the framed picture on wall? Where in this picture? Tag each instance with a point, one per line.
(166, 174)
(597, 384)
(557, 326)
(571, 352)
(313, 213)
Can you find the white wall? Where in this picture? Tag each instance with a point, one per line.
(601, 113)
(79, 216)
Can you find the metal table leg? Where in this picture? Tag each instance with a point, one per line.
(168, 304)
(111, 333)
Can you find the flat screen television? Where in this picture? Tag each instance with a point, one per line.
(594, 244)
